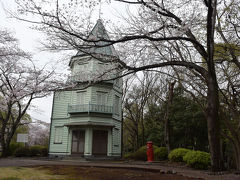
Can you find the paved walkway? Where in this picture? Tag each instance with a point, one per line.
(155, 167)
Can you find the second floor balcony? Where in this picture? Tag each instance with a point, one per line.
(90, 108)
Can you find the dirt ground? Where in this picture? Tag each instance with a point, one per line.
(93, 173)
(139, 169)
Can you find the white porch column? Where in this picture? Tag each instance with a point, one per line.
(69, 141)
(88, 141)
(109, 152)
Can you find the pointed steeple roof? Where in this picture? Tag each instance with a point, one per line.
(99, 32)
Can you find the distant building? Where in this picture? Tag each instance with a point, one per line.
(87, 122)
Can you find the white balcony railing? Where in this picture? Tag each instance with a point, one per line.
(80, 108)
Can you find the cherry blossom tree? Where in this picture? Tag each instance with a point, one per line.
(20, 83)
(39, 133)
(145, 40)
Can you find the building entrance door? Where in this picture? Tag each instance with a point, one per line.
(78, 141)
(100, 141)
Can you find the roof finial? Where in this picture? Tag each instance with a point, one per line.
(100, 8)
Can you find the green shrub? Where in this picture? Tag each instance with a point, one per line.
(13, 147)
(197, 159)
(176, 155)
(36, 150)
(141, 153)
(44, 151)
(161, 153)
(22, 151)
(128, 155)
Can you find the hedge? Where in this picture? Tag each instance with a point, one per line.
(197, 159)
(36, 150)
(31, 151)
(161, 154)
(44, 151)
(140, 154)
(177, 155)
(22, 151)
(13, 147)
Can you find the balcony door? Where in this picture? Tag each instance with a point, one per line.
(81, 106)
(101, 101)
(78, 141)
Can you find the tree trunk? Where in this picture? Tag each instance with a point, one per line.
(137, 140)
(6, 139)
(214, 125)
(143, 132)
(212, 94)
(5, 147)
(234, 140)
(167, 117)
(166, 133)
(136, 137)
(2, 141)
(121, 135)
(237, 156)
(5, 150)
(236, 147)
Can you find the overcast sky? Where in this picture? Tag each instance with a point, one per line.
(29, 41)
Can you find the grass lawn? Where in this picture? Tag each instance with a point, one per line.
(20, 173)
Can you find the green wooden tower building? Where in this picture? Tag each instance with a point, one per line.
(87, 122)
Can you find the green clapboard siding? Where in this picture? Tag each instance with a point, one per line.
(117, 138)
(63, 146)
(87, 97)
(98, 118)
(61, 101)
(105, 89)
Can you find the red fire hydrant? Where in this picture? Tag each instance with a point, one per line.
(150, 155)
